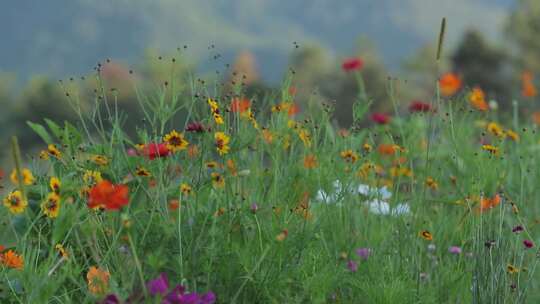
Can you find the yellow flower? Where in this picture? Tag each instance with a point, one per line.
(175, 141)
(12, 260)
(62, 251)
(98, 280)
(27, 176)
(305, 137)
(495, 129)
(55, 184)
(281, 107)
(91, 178)
(217, 180)
(211, 165)
(218, 118)
(367, 147)
(426, 235)
(512, 269)
(430, 182)
(51, 206)
(400, 171)
(222, 143)
(44, 155)
(15, 202)
(491, 149)
(213, 104)
(185, 189)
(53, 151)
(100, 160)
(513, 135)
(141, 171)
(349, 156)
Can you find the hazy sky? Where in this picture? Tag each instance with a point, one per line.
(60, 37)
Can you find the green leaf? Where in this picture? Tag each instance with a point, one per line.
(40, 130)
(55, 129)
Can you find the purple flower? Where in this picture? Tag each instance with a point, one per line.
(363, 252)
(528, 244)
(454, 250)
(110, 299)
(517, 229)
(178, 296)
(159, 285)
(254, 207)
(352, 265)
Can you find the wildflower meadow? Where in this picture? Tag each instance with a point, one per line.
(219, 196)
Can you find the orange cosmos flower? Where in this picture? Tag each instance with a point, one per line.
(293, 110)
(240, 105)
(449, 84)
(477, 98)
(98, 280)
(108, 196)
(310, 161)
(387, 149)
(11, 259)
(527, 85)
(487, 203)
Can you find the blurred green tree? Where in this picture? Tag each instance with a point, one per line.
(522, 28)
(481, 64)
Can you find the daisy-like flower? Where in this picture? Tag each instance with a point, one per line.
(367, 147)
(512, 269)
(27, 176)
(495, 129)
(52, 150)
(222, 143)
(305, 137)
(175, 141)
(477, 98)
(214, 107)
(51, 205)
(91, 178)
(281, 107)
(55, 184)
(100, 160)
(11, 259)
(426, 235)
(449, 84)
(185, 189)
(430, 182)
(15, 202)
(349, 156)
(512, 135)
(61, 251)
(108, 196)
(491, 149)
(218, 181)
(141, 171)
(98, 280)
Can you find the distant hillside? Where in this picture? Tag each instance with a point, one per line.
(64, 37)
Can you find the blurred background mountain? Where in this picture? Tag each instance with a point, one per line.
(489, 43)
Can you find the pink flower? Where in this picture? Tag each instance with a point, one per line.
(380, 118)
(352, 64)
(159, 285)
(352, 265)
(528, 244)
(454, 250)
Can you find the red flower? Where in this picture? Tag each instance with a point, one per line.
(528, 244)
(420, 106)
(195, 127)
(108, 196)
(380, 118)
(154, 150)
(352, 64)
